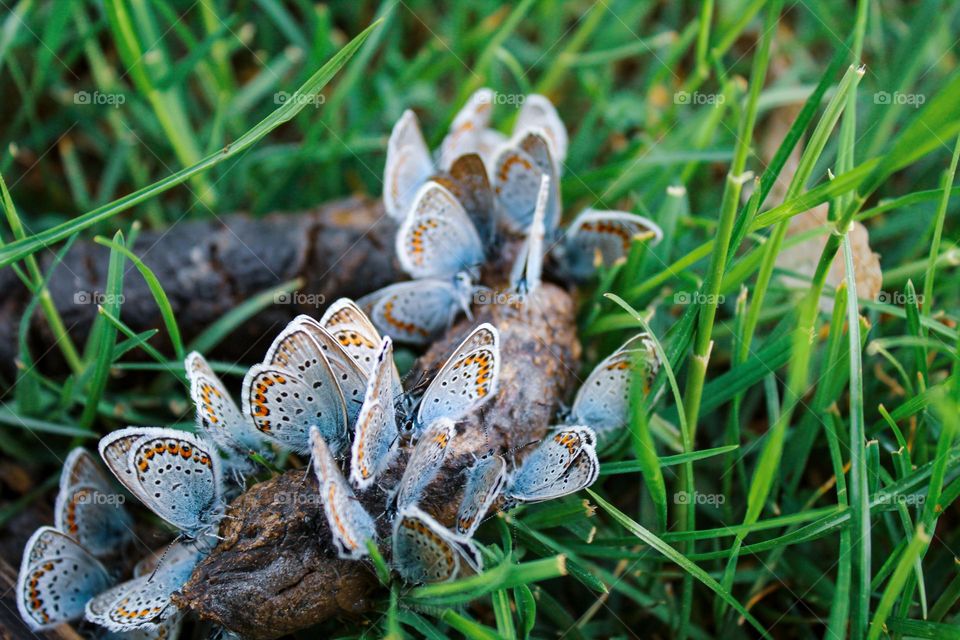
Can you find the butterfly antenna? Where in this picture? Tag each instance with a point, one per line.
(163, 556)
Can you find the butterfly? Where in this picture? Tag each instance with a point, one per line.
(410, 164)
(297, 356)
(425, 551)
(425, 462)
(376, 435)
(517, 175)
(563, 463)
(538, 112)
(525, 277)
(294, 389)
(602, 237)
(351, 327)
(89, 509)
(466, 179)
(603, 401)
(486, 480)
(467, 380)
(143, 603)
(350, 525)
(470, 131)
(437, 239)
(57, 578)
(219, 417)
(177, 475)
(417, 312)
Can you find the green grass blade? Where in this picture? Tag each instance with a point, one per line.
(106, 336)
(284, 113)
(159, 295)
(679, 559)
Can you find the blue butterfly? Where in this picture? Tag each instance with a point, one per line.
(177, 475)
(57, 578)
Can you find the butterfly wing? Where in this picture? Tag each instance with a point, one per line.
(375, 436)
(284, 406)
(408, 166)
(351, 327)
(438, 239)
(218, 415)
(538, 112)
(525, 276)
(88, 508)
(175, 474)
(466, 130)
(604, 237)
(537, 146)
(425, 462)
(350, 377)
(485, 482)
(467, 379)
(414, 312)
(468, 182)
(563, 463)
(143, 603)
(424, 551)
(57, 578)
(350, 525)
(603, 401)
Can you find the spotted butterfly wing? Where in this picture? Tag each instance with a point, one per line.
(538, 112)
(603, 237)
(218, 415)
(351, 327)
(424, 551)
(350, 376)
(437, 239)
(467, 180)
(466, 381)
(603, 401)
(467, 129)
(57, 578)
(485, 482)
(175, 474)
(525, 276)
(408, 166)
(563, 463)
(350, 524)
(419, 311)
(143, 603)
(375, 437)
(88, 507)
(284, 406)
(425, 462)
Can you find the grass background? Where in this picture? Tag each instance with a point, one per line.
(822, 476)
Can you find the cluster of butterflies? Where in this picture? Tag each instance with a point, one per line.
(330, 389)
(68, 570)
(455, 206)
